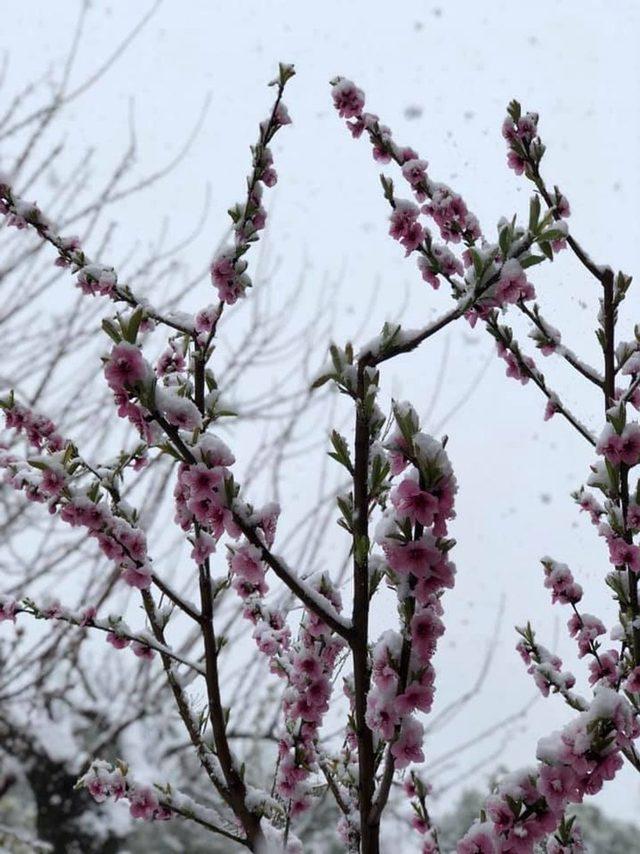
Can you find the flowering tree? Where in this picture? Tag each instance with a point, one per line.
(56, 690)
(395, 513)
(528, 806)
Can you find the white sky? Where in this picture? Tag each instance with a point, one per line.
(460, 62)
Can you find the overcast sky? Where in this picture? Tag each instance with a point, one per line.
(440, 74)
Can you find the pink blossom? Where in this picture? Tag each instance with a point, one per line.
(8, 608)
(516, 162)
(419, 824)
(281, 115)
(96, 280)
(632, 683)
(382, 715)
(68, 245)
(622, 553)
(527, 127)
(40, 431)
(405, 154)
(559, 785)
(96, 787)
(117, 641)
(88, 616)
(404, 225)
(408, 746)
(552, 407)
(306, 667)
(590, 505)
(513, 285)
(53, 481)
(414, 170)
(214, 452)
(416, 556)
(480, 839)
(518, 369)
(180, 411)
(429, 844)
(426, 628)
(633, 516)
(398, 450)
(604, 667)
(268, 520)
(125, 367)
(53, 610)
(429, 273)
(509, 130)
(620, 448)
(451, 215)
(205, 319)
(142, 650)
(348, 99)
(414, 503)
(559, 579)
(170, 362)
(269, 176)
(220, 519)
(562, 206)
(138, 576)
(204, 546)
(384, 671)
(501, 814)
(585, 628)
(143, 803)
(409, 786)
(229, 277)
(415, 696)
(630, 444)
(202, 480)
(246, 562)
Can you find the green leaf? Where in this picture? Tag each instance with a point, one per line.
(37, 464)
(335, 358)
(387, 188)
(322, 380)
(515, 110)
(505, 241)
(546, 249)
(477, 264)
(553, 234)
(531, 260)
(111, 329)
(134, 325)
(534, 213)
(341, 451)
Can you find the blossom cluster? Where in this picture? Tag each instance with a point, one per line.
(306, 666)
(495, 273)
(447, 209)
(51, 478)
(200, 495)
(228, 269)
(118, 633)
(40, 431)
(417, 790)
(487, 276)
(529, 805)
(544, 666)
(104, 780)
(619, 446)
(91, 278)
(521, 133)
(412, 534)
